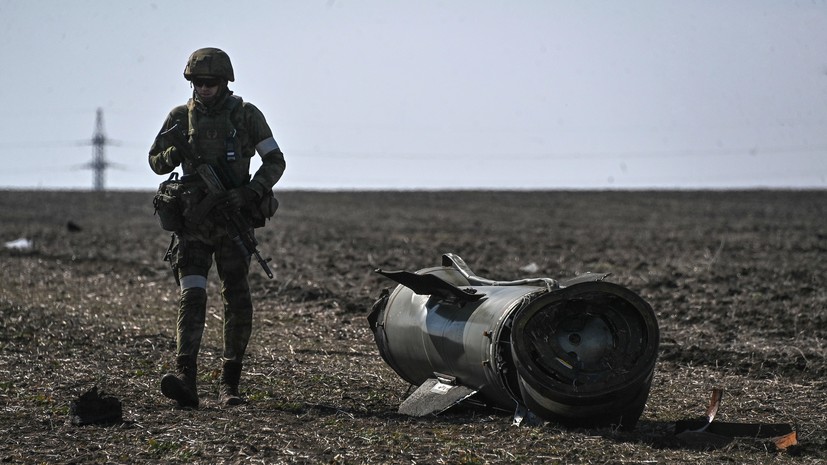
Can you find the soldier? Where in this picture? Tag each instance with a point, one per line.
(223, 131)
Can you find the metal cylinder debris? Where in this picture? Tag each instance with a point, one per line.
(580, 352)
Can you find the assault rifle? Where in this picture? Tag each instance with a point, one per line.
(239, 231)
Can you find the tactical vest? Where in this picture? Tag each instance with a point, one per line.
(221, 140)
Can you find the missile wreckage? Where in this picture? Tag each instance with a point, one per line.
(580, 352)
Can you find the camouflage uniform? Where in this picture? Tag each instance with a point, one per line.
(225, 132)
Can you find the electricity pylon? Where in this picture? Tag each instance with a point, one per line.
(99, 164)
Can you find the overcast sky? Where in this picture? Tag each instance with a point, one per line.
(430, 94)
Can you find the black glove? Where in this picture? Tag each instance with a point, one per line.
(240, 197)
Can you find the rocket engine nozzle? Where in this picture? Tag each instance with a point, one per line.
(579, 352)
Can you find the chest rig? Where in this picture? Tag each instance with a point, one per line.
(217, 139)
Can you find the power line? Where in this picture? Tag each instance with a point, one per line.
(668, 154)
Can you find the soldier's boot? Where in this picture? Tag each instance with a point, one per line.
(230, 377)
(181, 386)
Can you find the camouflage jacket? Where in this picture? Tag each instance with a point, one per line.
(229, 121)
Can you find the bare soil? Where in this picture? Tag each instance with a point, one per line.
(737, 280)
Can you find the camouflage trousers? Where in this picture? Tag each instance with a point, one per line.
(192, 260)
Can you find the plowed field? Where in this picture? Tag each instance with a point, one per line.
(737, 280)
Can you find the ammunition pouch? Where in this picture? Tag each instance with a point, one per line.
(265, 209)
(168, 205)
(183, 205)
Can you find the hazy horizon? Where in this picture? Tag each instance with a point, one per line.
(432, 95)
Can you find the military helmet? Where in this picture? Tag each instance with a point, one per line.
(209, 62)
